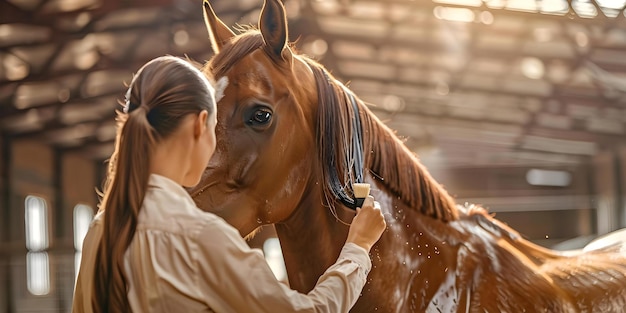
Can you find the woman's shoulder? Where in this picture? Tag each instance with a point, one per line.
(213, 223)
(219, 242)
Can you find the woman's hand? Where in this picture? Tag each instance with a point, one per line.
(368, 225)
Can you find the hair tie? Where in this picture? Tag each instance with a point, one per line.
(144, 107)
(126, 108)
(127, 104)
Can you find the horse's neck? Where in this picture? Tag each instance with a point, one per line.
(311, 240)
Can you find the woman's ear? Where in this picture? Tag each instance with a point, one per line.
(201, 124)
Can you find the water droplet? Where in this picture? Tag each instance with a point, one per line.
(258, 220)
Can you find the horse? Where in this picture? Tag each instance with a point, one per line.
(291, 141)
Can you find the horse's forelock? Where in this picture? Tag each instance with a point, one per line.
(241, 46)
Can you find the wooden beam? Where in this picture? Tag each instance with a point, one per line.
(97, 151)
(599, 20)
(560, 93)
(10, 13)
(54, 123)
(8, 110)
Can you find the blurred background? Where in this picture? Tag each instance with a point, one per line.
(517, 105)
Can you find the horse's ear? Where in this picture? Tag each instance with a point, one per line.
(219, 33)
(273, 26)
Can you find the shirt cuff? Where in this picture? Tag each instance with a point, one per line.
(357, 254)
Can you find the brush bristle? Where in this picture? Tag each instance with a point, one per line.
(361, 190)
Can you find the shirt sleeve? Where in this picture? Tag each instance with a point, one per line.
(235, 278)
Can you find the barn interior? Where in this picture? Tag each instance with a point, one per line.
(518, 105)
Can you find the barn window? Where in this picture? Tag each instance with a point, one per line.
(38, 273)
(274, 257)
(83, 214)
(36, 224)
(37, 263)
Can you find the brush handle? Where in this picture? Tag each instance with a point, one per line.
(358, 202)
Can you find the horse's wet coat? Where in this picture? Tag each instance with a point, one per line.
(284, 127)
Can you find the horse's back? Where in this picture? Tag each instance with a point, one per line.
(616, 239)
(595, 278)
(592, 279)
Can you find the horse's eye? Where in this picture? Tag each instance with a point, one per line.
(260, 117)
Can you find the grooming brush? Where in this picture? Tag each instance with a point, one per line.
(361, 191)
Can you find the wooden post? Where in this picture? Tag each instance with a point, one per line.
(5, 234)
(621, 157)
(606, 187)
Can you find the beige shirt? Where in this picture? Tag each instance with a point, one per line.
(182, 259)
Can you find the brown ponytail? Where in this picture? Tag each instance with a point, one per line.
(164, 91)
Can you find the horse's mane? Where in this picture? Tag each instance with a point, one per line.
(385, 156)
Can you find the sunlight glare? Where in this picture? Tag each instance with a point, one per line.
(612, 4)
(537, 177)
(454, 14)
(532, 67)
(38, 273)
(584, 8)
(473, 3)
(554, 6)
(36, 224)
(274, 258)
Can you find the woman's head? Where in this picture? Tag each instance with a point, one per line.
(169, 96)
(168, 100)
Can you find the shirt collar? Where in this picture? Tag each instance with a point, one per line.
(162, 182)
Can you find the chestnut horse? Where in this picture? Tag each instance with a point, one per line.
(292, 139)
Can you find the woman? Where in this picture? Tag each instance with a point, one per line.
(150, 249)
